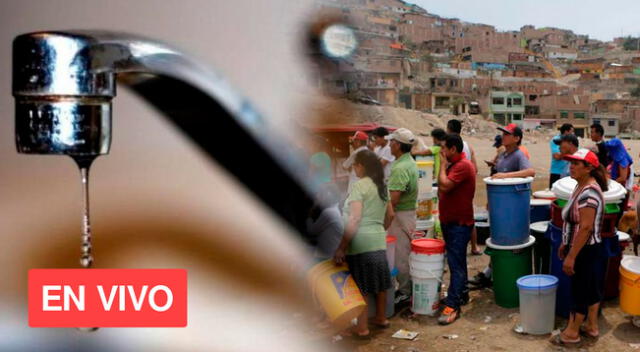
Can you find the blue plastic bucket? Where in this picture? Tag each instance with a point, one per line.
(509, 210)
(563, 295)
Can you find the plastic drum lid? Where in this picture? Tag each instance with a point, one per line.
(530, 242)
(564, 187)
(536, 202)
(427, 246)
(391, 239)
(508, 181)
(623, 236)
(540, 226)
(631, 263)
(544, 194)
(537, 282)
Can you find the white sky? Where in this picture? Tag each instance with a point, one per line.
(600, 19)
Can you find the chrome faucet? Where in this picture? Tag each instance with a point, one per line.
(63, 84)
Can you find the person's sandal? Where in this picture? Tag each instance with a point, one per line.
(589, 333)
(559, 341)
(380, 325)
(449, 315)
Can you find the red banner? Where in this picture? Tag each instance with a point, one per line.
(107, 298)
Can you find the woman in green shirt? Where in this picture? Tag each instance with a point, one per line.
(367, 213)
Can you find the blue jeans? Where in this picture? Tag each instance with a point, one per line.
(456, 239)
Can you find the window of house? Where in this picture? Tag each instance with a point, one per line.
(509, 103)
(564, 114)
(517, 117)
(517, 101)
(596, 121)
(612, 123)
(442, 102)
(498, 101)
(579, 115)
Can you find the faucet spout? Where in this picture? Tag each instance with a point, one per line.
(64, 83)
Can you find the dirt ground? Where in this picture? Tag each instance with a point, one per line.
(484, 326)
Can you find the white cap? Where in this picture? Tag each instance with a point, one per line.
(402, 135)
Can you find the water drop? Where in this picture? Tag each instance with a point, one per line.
(86, 260)
(84, 163)
(33, 79)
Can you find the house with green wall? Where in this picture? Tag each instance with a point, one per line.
(507, 107)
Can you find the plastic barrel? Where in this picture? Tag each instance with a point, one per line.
(509, 201)
(542, 247)
(426, 266)
(540, 210)
(614, 248)
(336, 291)
(509, 264)
(563, 295)
(537, 303)
(391, 251)
(390, 306)
(483, 229)
(630, 285)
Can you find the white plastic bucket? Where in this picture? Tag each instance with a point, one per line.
(426, 226)
(425, 173)
(426, 273)
(424, 209)
(537, 303)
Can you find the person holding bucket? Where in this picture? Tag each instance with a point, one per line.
(367, 212)
(456, 189)
(581, 247)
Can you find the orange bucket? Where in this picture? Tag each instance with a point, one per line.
(630, 285)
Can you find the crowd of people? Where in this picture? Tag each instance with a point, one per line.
(382, 195)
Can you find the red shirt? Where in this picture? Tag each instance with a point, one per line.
(456, 206)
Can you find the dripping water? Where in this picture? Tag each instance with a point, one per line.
(86, 258)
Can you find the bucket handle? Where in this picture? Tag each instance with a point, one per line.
(432, 274)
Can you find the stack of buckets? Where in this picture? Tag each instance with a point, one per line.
(426, 266)
(539, 216)
(563, 189)
(510, 244)
(425, 208)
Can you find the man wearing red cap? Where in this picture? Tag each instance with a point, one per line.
(358, 143)
(513, 162)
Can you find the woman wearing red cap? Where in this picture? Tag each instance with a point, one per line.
(581, 245)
